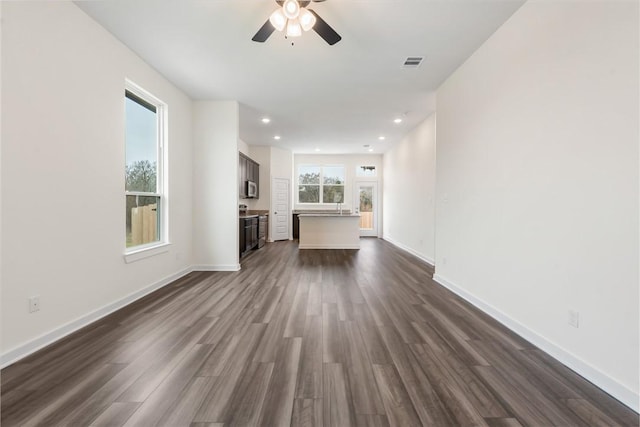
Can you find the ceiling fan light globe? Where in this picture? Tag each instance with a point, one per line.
(291, 9)
(293, 28)
(307, 19)
(278, 20)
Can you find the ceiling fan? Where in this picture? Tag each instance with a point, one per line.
(293, 17)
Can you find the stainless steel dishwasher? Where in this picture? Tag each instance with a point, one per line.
(263, 221)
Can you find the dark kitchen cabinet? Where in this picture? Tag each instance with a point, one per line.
(248, 233)
(248, 170)
(242, 245)
(250, 176)
(242, 177)
(252, 237)
(296, 226)
(253, 174)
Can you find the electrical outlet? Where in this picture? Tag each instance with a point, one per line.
(574, 318)
(34, 304)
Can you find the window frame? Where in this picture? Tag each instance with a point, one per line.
(362, 167)
(134, 253)
(321, 184)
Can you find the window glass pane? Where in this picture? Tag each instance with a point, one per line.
(141, 176)
(309, 175)
(366, 208)
(366, 171)
(366, 199)
(333, 194)
(141, 147)
(143, 220)
(309, 194)
(333, 175)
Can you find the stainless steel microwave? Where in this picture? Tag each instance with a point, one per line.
(252, 189)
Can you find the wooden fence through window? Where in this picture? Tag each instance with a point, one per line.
(366, 220)
(144, 225)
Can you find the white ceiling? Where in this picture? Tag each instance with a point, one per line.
(335, 98)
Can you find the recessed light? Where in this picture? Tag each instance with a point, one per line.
(266, 120)
(370, 150)
(381, 138)
(317, 149)
(397, 121)
(277, 137)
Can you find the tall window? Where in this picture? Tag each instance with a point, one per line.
(320, 184)
(144, 117)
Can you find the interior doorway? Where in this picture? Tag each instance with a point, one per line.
(279, 209)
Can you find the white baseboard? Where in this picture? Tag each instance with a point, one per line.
(314, 246)
(591, 373)
(220, 267)
(411, 251)
(22, 351)
(11, 356)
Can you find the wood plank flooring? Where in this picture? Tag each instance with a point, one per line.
(303, 338)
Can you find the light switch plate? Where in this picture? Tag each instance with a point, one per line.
(574, 318)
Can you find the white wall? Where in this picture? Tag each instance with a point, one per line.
(537, 183)
(243, 147)
(63, 156)
(282, 167)
(1, 221)
(281, 163)
(350, 163)
(409, 190)
(215, 202)
(273, 161)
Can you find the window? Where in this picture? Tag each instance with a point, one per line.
(309, 184)
(145, 202)
(333, 184)
(320, 184)
(366, 171)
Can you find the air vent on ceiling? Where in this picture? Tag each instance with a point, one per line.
(413, 62)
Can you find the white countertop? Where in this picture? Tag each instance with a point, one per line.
(327, 214)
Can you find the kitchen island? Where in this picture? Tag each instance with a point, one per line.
(329, 231)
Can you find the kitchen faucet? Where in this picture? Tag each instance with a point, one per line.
(339, 207)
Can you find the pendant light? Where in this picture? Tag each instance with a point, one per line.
(293, 28)
(278, 20)
(291, 9)
(307, 19)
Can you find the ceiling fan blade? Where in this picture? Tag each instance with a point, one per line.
(324, 30)
(264, 32)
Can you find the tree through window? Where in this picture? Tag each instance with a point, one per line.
(321, 184)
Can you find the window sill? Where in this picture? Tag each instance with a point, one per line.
(146, 252)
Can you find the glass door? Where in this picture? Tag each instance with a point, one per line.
(367, 206)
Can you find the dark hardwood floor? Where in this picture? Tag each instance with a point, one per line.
(314, 337)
